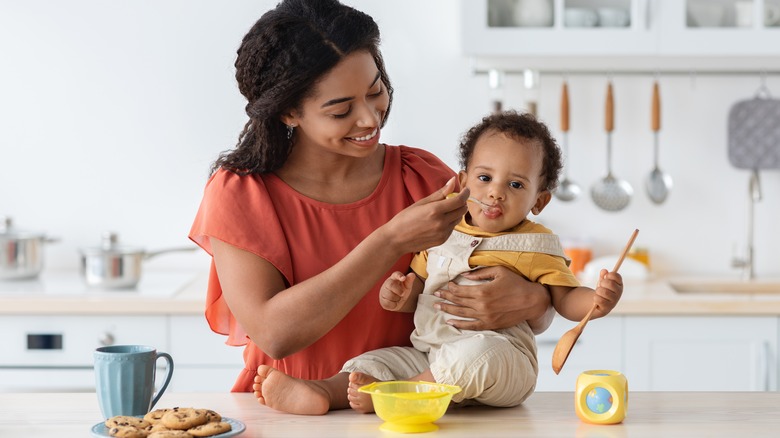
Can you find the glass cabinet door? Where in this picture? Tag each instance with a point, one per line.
(557, 27)
(720, 27)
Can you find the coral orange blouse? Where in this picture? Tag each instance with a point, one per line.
(302, 237)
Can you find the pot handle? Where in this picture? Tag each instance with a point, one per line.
(148, 255)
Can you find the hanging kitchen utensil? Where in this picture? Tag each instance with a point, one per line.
(754, 132)
(754, 144)
(114, 266)
(567, 341)
(567, 189)
(496, 84)
(21, 252)
(610, 193)
(658, 183)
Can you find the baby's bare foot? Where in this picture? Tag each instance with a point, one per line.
(279, 391)
(360, 401)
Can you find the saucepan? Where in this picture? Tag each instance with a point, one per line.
(114, 266)
(21, 252)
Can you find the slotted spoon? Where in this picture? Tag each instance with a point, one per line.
(610, 193)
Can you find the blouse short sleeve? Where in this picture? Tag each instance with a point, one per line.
(232, 210)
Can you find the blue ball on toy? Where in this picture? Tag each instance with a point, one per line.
(599, 400)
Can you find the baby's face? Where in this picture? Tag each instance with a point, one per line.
(505, 174)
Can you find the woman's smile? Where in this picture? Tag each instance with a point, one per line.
(369, 139)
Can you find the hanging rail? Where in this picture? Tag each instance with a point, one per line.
(608, 72)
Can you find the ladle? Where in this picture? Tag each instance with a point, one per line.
(610, 193)
(567, 190)
(658, 183)
(567, 341)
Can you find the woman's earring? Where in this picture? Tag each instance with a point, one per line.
(290, 129)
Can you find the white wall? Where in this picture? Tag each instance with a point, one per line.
(112, 111)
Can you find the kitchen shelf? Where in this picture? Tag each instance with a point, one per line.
(659, 36)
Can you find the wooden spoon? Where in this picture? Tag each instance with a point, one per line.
(566, 343)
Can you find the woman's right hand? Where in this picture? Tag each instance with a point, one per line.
(428, 222)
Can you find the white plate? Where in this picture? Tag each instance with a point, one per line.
(100, 429)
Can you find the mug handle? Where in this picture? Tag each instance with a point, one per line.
(168, 375)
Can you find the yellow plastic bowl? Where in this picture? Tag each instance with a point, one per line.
(410, 407)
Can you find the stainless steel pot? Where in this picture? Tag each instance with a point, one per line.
(21, 252)
(113, 266)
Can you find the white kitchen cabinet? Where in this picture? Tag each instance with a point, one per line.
(671, 31)
(723, 30)
(202, 360)
(705, 353)
(482, 39)
(599, 347)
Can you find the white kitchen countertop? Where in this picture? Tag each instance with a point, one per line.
(64, 293)
(184, 293)
(549, 414)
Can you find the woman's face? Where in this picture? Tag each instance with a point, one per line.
(345, 111)
(506, 174)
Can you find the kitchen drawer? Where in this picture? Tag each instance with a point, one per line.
(193, 343)
(599, 347)
(71, 340)
(703, 353)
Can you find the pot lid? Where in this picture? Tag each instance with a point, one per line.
(9, 231)
(110, 246)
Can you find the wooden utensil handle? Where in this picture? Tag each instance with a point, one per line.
(565, 108)
(625, 250)
(656, 118)
(609, 117)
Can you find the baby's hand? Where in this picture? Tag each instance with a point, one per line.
(396, 291)
(608, 292)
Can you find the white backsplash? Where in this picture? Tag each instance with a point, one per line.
(113, 112)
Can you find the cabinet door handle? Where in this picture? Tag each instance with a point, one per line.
(762, 367)
(546, 342)
(552, 342)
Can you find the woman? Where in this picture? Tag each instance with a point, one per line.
(309, 213)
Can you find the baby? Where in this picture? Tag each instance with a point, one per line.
(510, 166)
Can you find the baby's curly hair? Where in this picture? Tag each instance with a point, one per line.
(520, 127)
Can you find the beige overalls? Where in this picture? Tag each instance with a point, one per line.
(496, 368)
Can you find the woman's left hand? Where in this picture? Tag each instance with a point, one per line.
(506, 299)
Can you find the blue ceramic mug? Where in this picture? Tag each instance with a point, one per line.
(125, 376)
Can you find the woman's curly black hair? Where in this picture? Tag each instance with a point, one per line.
(279, 62)
(520, 127)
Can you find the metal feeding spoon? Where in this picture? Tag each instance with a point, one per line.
(567, 341)
(484, 206)
(658, 184)
(610, 193)
(567, 189)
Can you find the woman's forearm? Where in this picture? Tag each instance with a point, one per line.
(283, 320)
